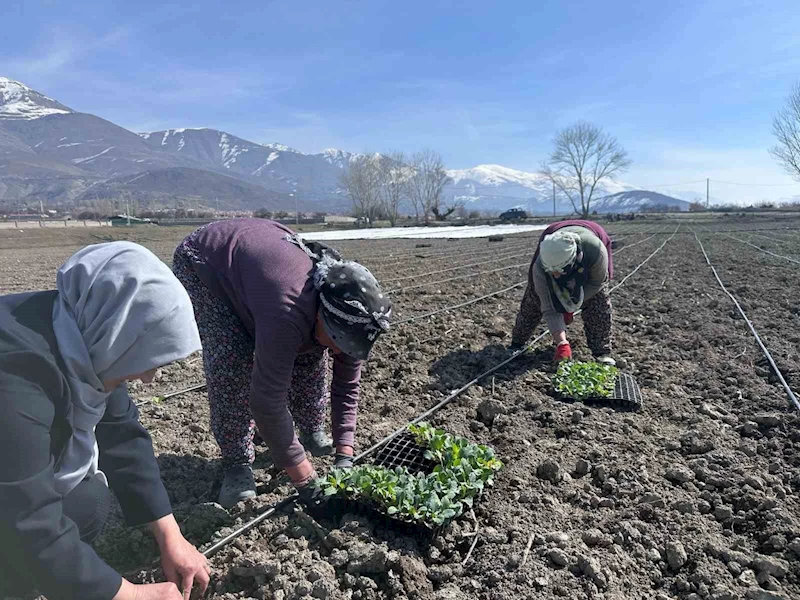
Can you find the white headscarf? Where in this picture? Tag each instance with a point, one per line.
(558, 250)
(120, 312)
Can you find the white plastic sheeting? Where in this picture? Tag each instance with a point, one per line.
(421, 232)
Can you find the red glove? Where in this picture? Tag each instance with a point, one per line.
(568, 318)
(563, 352)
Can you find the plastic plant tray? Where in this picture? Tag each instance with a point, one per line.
(403, 451)
(626, 395)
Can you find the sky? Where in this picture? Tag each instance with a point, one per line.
(689, 88)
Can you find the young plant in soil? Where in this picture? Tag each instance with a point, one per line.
(584, 380)
(462, 472)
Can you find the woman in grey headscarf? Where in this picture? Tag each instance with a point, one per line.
(69, 430)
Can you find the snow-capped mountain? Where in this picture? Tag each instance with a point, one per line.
(274, 166)
(18, 101)
(494, 187)
(50, 152)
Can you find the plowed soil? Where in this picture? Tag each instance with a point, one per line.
(694, 496)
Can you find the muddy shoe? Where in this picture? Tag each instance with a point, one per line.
(238, 485)
(318, 443)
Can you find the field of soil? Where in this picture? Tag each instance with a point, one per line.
(696, 496)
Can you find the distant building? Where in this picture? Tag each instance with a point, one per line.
(128, 221)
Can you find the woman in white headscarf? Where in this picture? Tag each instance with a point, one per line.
(569, 272)
(69, 430)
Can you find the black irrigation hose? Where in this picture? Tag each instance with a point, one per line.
(453, 395)
(450, 269)
(764, 349)
(463, 304)
(419, 285)
(384, 266)
(764, 250)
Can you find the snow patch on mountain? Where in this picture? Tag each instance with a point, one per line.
(495, 175)
(18, 101)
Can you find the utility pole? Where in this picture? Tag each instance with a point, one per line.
(708, 195)
(128, 210)
(554, 198)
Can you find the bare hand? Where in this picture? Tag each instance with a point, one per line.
(149, 591)
(157, 591)
(184, 566)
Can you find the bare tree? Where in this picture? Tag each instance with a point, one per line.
(583, 157)
(426, 183)
(786, 127)
(393, 173)
(442, 212)
(361, 182)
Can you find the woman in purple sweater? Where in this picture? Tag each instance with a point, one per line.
(270, 308)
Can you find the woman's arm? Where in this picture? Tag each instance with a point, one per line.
(552, 318)
(277, 341)
(345, 391)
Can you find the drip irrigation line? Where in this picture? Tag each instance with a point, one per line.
(448, 270)
(419, 285)
(452, 396)
(764, 349)
(158, 399)
(772, 239)
(461, 305)
(764, 250)
(645, 261)
(450, 254)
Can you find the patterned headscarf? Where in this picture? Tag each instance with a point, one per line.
(354, 309)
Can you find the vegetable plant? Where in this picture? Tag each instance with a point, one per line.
(463, 470)
(584, 380)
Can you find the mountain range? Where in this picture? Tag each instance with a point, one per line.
(52, 153)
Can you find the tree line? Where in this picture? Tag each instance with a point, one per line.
(387, 185)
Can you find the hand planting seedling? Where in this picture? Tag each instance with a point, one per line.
(584, 380)
(462, 472)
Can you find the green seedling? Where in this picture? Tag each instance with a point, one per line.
(584, 380)
(462, 472)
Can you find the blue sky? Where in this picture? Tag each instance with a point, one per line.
(688, 87)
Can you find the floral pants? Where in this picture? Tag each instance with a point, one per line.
(228, 355)
(596, 315)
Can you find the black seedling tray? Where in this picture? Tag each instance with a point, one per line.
(403, 451)
(400, 451)
(626, 396)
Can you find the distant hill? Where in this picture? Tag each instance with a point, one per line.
(212, 189)
(635, 201)
(50, 152)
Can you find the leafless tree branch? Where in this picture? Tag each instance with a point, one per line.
(786, 128)
(583, 156)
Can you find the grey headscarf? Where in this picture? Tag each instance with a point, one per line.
(120, 312)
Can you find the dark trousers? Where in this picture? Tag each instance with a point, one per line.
(88, 506)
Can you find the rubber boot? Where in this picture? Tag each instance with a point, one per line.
(238, 485)
(317, 442)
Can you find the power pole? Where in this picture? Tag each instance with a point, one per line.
(708, 195)
(554, 198)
